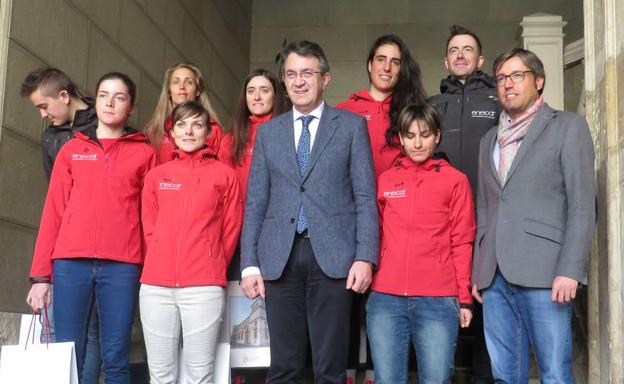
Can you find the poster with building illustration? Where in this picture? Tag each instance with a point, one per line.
(249, 332)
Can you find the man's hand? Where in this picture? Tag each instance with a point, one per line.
(563, 289)
(476, 294)
(38, 296)
(465, 316)
(253, 286)
(360, 276)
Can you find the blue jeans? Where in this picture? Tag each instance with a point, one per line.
(432, 323)
(516, 317)
(92, 359)
(114, 286)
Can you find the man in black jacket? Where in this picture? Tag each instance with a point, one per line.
(467, 102)
(468, 107)
(60, 102)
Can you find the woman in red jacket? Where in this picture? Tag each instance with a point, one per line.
(395, 81)
(191, 215)
(89, 241)
(261, 98)
(421, 290)
(182, 82)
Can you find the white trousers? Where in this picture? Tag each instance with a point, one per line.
(196, 313)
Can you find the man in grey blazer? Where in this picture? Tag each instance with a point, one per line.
(535, 223)
(310, 234)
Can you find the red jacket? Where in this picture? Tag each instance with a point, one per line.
(92, 206)
(376, 115)
(428, 229)
(192, 215)
(226, 154)
(167, 144)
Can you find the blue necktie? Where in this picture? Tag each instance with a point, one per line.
(303, 155)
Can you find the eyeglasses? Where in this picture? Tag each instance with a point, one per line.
(515, 78)
(305, 74)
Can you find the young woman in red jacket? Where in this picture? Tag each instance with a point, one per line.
(421, 290)
(89, 241)
(182, 82)
(191, 215)
(260, 99)
(395, 81)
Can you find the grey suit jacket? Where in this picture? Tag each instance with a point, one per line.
(337, 193)
(539, 224)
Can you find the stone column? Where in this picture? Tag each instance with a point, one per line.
(604, 87)
(543, 35)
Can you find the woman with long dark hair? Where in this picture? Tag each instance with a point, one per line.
(260, 100)
(395, 81)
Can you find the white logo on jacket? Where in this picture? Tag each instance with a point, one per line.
(484, 114)
(400, 194)
(169, 186)
(82, 156)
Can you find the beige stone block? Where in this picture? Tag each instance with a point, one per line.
(193, 7)
(104, 14)
(196, 47)
(269, 65)
(223, 84)
(54, 31)
(237, 20)
(19, 113)
(149, 91)
(432, 73)
(169, 17)
(105, 57)
(17, 250)
(368, 12)
(22, 181)
(224, 111)
(141, 39)
(9, 327)
(347, 77)
(247, 9)
(172, 56)
(276, 13)
(338, 42)
(222, 40)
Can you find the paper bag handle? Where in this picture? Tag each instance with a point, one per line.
(46, 326)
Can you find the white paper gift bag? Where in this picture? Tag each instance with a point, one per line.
(53, 363)
(34, 363)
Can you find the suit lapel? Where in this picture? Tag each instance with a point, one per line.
(287, 143)
(326, 128)
(544, 115)
(489, 161)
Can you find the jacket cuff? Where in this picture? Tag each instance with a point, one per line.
(39, 279)
(466, 306)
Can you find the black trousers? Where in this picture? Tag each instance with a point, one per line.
(305, 305)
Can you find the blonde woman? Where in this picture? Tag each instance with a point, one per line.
(182, 82)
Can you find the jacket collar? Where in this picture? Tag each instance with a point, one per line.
(477, 80)
(200, 155)
(428, 165)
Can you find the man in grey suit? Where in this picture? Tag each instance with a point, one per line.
(535, 223)
(310, 234)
